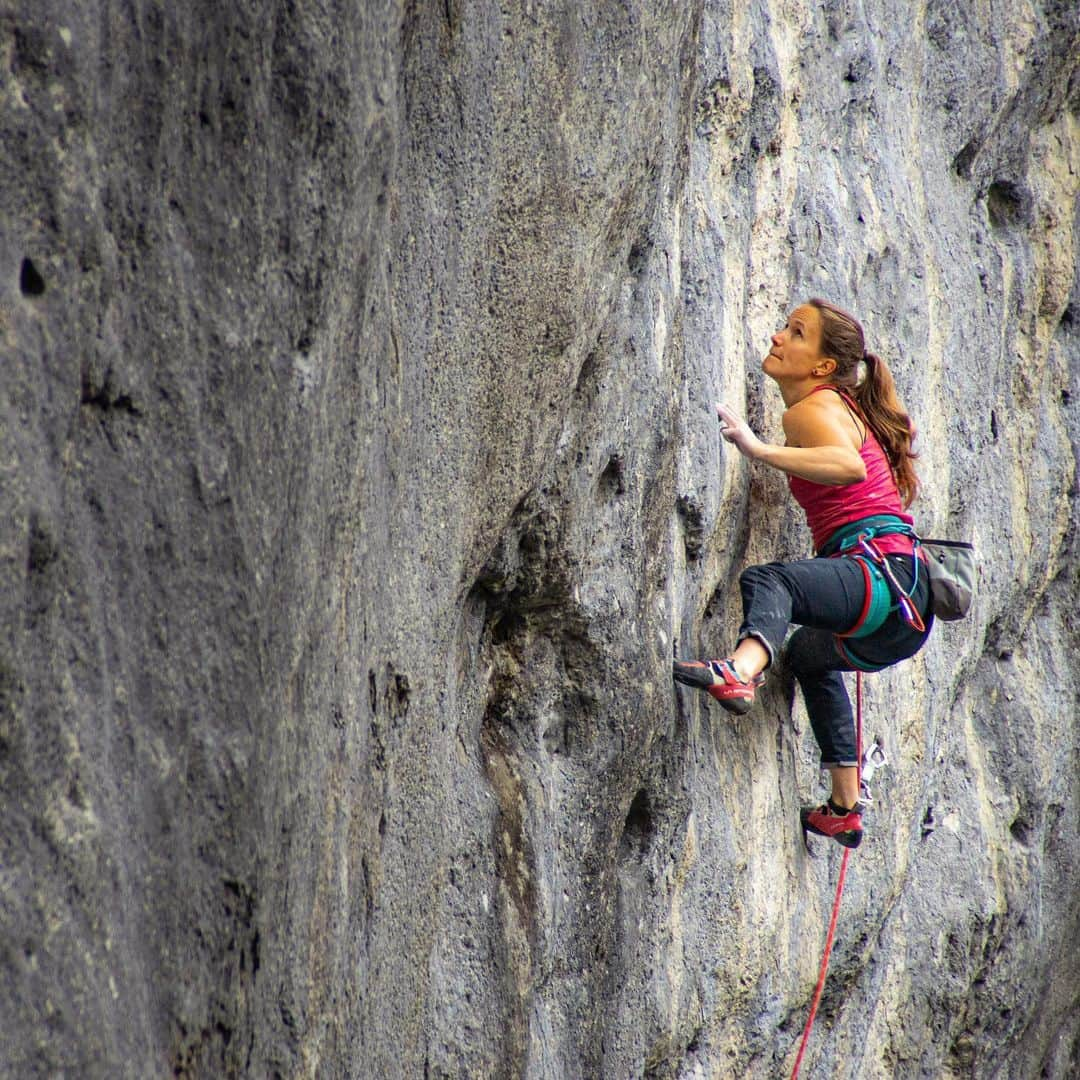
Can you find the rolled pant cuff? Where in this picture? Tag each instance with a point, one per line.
(839, 764)
(761, 640)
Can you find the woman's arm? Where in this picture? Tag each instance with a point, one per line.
(821, 444)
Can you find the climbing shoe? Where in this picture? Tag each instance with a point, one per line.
(720, 680)
(844, 826)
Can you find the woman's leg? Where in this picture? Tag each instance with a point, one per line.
(818, 668)
(818, 592)
(750, 657)
(845, 786)
(823, 593)
(825, 597)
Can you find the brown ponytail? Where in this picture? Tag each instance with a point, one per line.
(842, 340)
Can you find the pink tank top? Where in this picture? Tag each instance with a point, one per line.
(829, 506)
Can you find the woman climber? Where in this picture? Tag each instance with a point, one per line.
(848, 459)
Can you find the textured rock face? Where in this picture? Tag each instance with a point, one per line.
(360, 479)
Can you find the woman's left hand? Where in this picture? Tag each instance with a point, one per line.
(737, 431)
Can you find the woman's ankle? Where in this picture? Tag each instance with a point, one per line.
(845, 786)
(749, 659)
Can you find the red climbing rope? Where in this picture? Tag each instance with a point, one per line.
(839, 891)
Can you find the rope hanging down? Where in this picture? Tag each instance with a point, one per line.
(839, 891)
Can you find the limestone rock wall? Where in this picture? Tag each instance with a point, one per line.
(360, 479)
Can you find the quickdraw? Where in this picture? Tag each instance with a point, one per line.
(873, 759)
(907, 609)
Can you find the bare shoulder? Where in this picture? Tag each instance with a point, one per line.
(820, 420)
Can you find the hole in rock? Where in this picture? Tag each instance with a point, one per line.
(31, 283)
(693, 522)
(639, 826)
(993, 425)
(611, 479)
(857, 70)
(507, 626)
(42, 549)
(31, 52)
(1021, 828)
(965, 159)
(588, 370)
(638, 258)
(402, 691)
(1008, 204)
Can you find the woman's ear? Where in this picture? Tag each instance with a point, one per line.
(825, 367)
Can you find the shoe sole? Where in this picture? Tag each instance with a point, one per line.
(696, 675)
(700, 677)
(849, 838)
(738, 706)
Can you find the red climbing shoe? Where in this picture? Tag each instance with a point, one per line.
(720, 680)
(844, 826)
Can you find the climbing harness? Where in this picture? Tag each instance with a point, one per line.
(839, 893)
(883, 594)
(877, 602)
(908, 611)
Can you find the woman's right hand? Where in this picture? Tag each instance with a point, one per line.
(736, 430)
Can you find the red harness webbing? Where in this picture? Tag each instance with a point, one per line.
(868, 588)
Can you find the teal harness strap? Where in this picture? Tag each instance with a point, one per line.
(847, 536)
(857, 662)
(878, 603)
(883, 593)
(876, 609)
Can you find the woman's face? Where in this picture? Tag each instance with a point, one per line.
(796, 349)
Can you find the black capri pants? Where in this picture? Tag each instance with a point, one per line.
(825, 597)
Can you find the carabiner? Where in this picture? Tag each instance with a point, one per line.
(903, 601)
(873, 759)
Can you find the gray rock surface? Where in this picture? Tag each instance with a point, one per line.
(360, 479)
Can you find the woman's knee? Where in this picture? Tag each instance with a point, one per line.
(810, 653)
(761, 573)
(795, 654)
